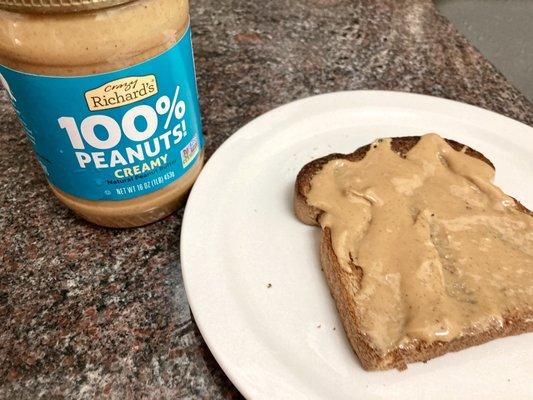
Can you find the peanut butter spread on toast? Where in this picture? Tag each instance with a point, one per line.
(443, 252)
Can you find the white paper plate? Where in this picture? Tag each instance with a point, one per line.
(240, 234)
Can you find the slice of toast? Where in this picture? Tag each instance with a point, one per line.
(344, 285)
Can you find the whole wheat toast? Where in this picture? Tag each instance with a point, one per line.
(343, 285)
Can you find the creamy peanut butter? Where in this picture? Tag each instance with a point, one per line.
(90, 42)
(100, 41)
(444, 252)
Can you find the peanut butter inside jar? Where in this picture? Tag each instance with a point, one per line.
(77, 38)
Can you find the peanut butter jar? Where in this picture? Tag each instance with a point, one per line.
(106, 92)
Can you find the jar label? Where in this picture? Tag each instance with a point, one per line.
(115, 135)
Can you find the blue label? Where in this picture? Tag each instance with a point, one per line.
(116, 135)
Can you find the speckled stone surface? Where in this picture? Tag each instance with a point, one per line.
(87, 312)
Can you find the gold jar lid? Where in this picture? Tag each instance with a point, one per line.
(57, 6)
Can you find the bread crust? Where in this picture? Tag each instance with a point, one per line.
(344, 285)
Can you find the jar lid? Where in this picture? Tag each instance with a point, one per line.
(57, 6)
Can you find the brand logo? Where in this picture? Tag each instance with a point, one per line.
(121, 92)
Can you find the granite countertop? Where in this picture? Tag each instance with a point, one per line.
(89, 312)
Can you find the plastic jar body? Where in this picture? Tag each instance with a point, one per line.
(108, 99)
